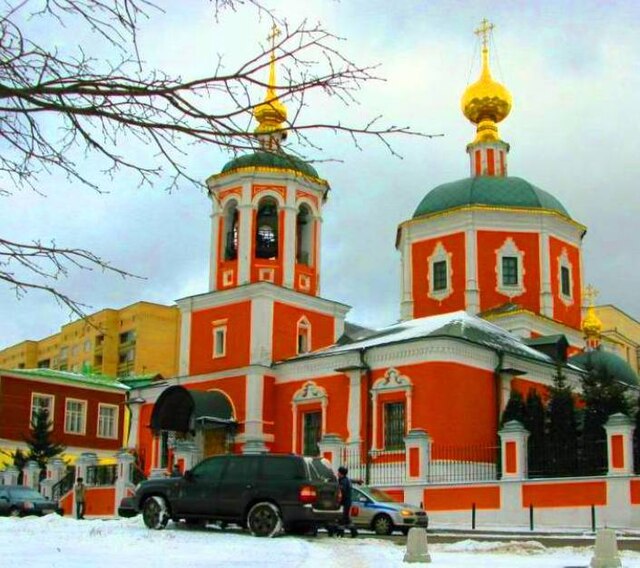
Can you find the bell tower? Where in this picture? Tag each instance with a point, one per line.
(267, 208)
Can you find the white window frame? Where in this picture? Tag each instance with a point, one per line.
(510, 249)
(308, 394)
(51, 409)
(219, 327)
(303, 327)
(440, 254)
(116, 417)
(564, 262)
(83, 416)
(391, 382)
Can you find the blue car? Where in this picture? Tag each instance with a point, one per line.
(19, 501)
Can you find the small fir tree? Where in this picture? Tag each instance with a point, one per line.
(562, 441)
(535, 423)
(41, 447)
(515, 409)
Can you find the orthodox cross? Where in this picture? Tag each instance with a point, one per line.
(484, 30)
(590, 293)
(275, 32)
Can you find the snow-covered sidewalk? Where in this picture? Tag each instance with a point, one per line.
(65, 542)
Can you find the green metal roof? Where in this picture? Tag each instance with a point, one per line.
(491, 191)
(279, 161)
(68, 377)
(607, 362)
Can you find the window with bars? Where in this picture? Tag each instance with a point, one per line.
(394, 425)
(75, 416)
(311, 433)
(107, 421)
(510, 271)
(565, 279)
(439, 275)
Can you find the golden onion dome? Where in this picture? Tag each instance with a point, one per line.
(591, 324)
(486, 99)
(271, 113)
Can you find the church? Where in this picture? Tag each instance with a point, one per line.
(491, 301)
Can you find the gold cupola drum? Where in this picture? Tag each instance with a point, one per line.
(486, 103)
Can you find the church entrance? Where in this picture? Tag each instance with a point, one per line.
(215, 442)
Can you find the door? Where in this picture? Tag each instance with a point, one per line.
(312, 432)
(238, 485)
(199, 490)
(215, 442)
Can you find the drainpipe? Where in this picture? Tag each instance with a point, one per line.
(498, 385)
(368, 429)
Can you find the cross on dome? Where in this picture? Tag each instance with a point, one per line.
(484, 30)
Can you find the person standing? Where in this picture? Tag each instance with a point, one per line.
(80, 491)
(345, 492)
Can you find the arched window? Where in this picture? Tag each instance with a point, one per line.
(304, 336)
(231, 231)
(304, 234)
(267, 229)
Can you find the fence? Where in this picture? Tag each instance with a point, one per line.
(64, 485)
(382, 467)
(567, 460)
(101, 474)
(463, 463)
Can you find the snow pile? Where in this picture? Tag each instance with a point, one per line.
(520, 548)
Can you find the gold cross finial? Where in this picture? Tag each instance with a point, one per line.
(275, 32)
(590, 293)
(483, 30)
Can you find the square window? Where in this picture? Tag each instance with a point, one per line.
(75, 416)
(394, 425)
(439, 275)
(565, 278)
(41, 402)
(510, 271)
(107, 421)
(219, 341)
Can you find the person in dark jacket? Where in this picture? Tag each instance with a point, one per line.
(345, 491)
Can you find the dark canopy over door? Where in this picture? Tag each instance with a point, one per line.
(180, 410)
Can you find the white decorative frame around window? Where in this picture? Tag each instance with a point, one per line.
(564, 262)
(391, 382)
(107, 421)
(509, 249)
(303, 336)
(219, 339)
(309, 393)
(440, 254)
(75, 418)
(37, 400)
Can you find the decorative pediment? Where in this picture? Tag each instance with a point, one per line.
(392, 380)
(310, 392)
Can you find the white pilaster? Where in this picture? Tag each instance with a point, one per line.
(317, 253)
(185, 341)
(406, 305)
(245, 217)
(472, 295)
(546, 296)
(261, 331)
(253, 426)
(355, 404)
(331, 446)
(214, 253)
(134, 424)
(290, 237)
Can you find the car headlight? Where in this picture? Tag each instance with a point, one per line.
(406, 513)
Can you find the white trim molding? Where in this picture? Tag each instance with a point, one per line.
(309, 393)
(440, 254)
(564, 262)
(510, 249)
(392, 381)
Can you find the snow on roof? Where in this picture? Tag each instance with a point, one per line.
(68, 376)
(458, 324)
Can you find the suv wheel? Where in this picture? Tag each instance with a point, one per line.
(382, 524)
(264, 519)
(155, 512)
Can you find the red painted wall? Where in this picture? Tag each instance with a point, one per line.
(15, 411)
(571, 315)
(285, 330)
(565, 494)
(238, 324)
(420, 253)
(100, 501)
(488, 244)
(234, 388)
(337, 388)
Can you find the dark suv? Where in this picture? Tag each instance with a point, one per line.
(266, 493)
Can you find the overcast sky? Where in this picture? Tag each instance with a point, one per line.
(572, 68)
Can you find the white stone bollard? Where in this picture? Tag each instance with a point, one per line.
(606, 552)
(417, 546)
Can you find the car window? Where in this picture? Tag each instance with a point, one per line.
(4, 493)
(282, 468)
(321, 469)
(379, 495)
(209, 470)
(25, 493)
(241, 469)
(358, 496)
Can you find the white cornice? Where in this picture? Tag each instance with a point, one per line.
(529, 322)
(262, 290)
(265, 176)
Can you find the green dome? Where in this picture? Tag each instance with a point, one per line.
(279, 161)
(490, 191)
(607, 362)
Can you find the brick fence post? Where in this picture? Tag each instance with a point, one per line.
(513, 437)
(417, 445)
(331, 447)
(620, 429)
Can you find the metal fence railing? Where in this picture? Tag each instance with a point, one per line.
(101, 474)
(463, 463)
(565, 460)
(65, 485)
(383, 467)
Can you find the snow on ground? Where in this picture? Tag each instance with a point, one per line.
(63, 542)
